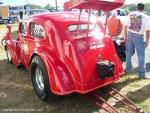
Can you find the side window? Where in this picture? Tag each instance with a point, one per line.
(37, 30)
(23, 28)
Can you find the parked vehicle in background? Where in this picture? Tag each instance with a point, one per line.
(37, 11)
(7, 16)
(13, 16)
(32, 12)
(4, 14)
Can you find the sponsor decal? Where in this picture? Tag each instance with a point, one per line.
(96, 45)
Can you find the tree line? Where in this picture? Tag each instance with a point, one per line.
(48, 6)
(132, 7)
(126, 7)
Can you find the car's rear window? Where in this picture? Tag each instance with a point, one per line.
(82, 27)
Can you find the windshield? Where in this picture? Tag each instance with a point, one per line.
(82, 32)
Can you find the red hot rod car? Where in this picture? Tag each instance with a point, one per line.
(65, 54)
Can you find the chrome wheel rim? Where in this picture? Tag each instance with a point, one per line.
(39, 78)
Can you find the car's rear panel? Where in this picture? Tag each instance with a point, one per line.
(85, 55)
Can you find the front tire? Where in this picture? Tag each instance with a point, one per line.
(40, 80)
(8, 54)
(5, 21)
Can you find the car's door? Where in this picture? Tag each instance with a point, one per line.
(37, 36)
(24, 43)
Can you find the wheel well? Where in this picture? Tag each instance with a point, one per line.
(33, 57)
(5, 47)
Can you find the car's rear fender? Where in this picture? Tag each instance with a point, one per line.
(60, 80)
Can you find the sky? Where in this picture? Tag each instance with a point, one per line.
(60, 2)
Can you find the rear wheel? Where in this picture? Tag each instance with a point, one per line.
(40, 80)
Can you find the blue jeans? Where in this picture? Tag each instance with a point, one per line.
(135, 42)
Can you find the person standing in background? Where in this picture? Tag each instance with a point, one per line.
(137, 25)
(114, 25)
(21, 15)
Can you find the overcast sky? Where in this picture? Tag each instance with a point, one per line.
(60, 2)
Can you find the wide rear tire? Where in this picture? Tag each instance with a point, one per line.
(40, 80)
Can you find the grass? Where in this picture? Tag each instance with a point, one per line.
(15, 34)
(16, 85)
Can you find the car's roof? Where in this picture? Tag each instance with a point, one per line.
(63, 16)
